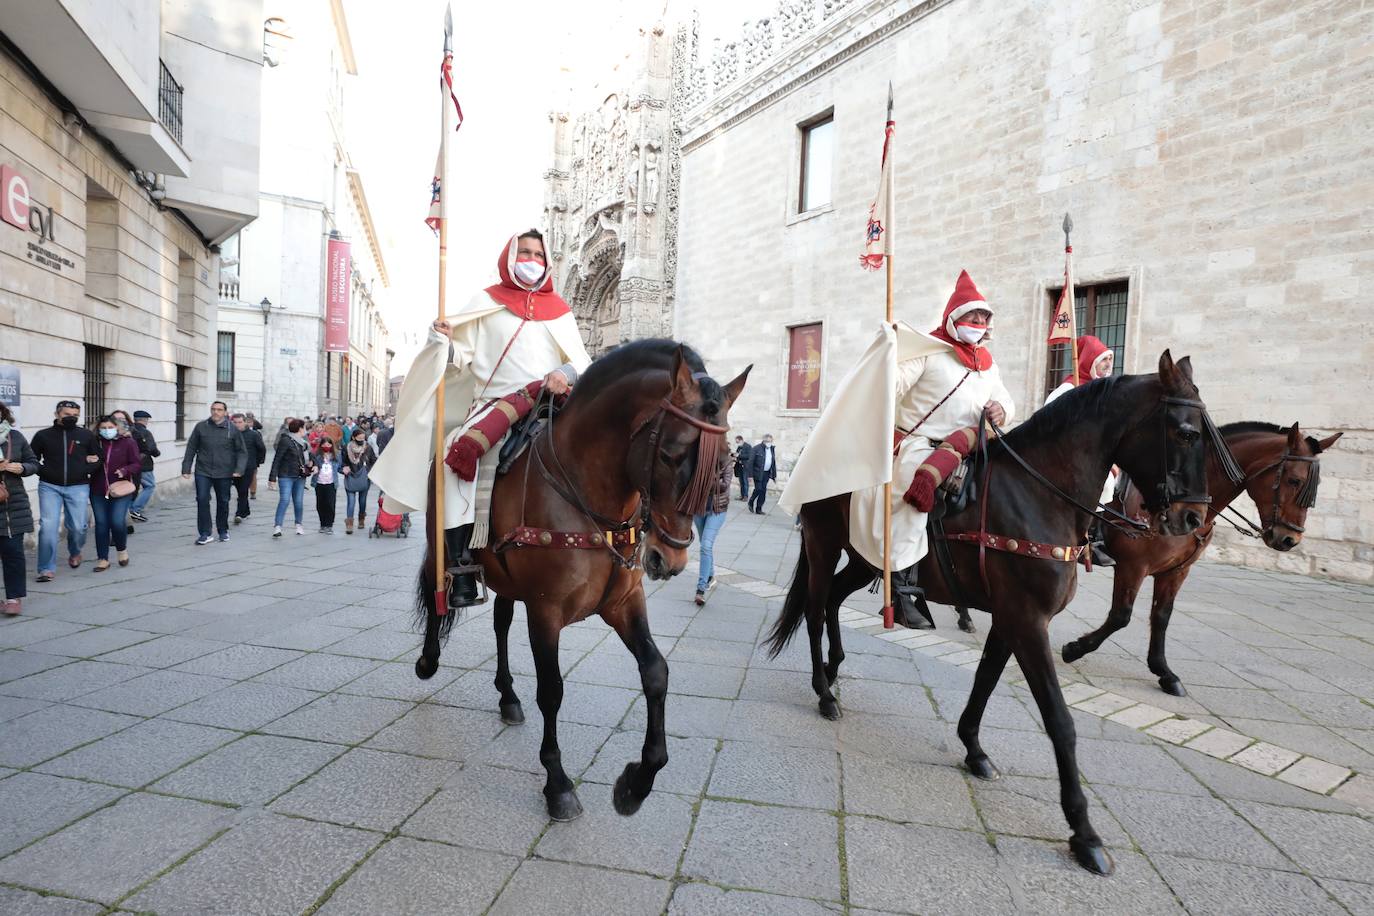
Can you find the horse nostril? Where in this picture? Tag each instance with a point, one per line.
(1289, 542)
(1192, 520)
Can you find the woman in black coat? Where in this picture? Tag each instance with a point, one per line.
(17, 460)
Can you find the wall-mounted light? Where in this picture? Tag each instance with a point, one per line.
(266, 306)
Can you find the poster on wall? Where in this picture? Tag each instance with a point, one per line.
(9, 385)
(336, 297)
(804, 367)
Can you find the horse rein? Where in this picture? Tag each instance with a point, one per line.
(1276, 520)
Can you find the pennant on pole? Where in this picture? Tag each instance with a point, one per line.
(1063, 325)
(878, 235)
(452, 120)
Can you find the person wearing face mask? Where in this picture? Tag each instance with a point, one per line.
(17, 460)
(509, 334)
(112, 490)
(328, 470)
(934, 384)
(358, 458)
(67, 454)
(1095, 360)
(763, 467)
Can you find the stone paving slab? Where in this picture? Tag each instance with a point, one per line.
(237, 729)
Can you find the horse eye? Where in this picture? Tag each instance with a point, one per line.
(1189, 436)
(1294, 482)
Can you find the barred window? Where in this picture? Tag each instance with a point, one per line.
(1100, 310)
(224, 362)
(183, 380)
(95, 383)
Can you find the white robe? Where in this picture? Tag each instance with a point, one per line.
(897, 381)
(479, 336)
(1109, 487)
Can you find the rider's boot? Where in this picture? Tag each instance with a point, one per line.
(462, 591)
(909, 607)
(1097, 544)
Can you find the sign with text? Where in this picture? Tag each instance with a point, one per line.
(9, 385)
(336, 297)
(804, 367)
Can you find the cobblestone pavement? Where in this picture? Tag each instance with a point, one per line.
(236, 729)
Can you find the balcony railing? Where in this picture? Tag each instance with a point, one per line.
(169, 93)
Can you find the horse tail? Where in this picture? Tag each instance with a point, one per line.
(793, 609)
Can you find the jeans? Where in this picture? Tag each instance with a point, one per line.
(708, 526)
(52, 500)
(142, 496)
(743, 485)
(361, 499)
(221, 487)
(241, 488)
(292, 490)
(111, 519)
(760, 494)
(12, 558)
(326, 501)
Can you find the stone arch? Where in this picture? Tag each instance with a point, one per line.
(597, 299)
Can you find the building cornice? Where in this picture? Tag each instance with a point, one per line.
(355, 184)
(345, 40)
(801, 64)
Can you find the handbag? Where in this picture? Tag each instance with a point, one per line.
(120, 489)
(356, 480)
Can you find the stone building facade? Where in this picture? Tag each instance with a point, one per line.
(1215, 157)
(610, 210)
(272, 356)
(115, 197)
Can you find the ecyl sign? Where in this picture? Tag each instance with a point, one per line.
(18, 209)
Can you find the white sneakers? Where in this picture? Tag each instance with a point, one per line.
(300, 529)
(276, 531)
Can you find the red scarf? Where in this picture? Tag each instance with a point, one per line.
(537, 303)
(963, 300)
(1089, 349)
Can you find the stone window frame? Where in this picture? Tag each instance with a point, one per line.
(794, 214)
(225, 385)
(782, 410)
(1042, 310)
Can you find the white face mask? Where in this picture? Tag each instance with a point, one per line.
(970, 335)
(529, 271)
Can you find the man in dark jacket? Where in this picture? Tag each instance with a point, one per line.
(763, 466)
(67, 454)
(256, 448)
(217, 451)
(744, 454)
(147, 448)
(256, 424)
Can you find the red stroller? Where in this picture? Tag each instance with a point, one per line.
(389, 523)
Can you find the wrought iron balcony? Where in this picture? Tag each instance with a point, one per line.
(169, 93)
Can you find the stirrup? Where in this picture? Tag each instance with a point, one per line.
(455, 574)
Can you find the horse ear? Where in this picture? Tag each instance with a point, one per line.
(1320, 446)
(1294, 438)
(1185, 368)
(681, 374)
(736, 385)
(1166, 369)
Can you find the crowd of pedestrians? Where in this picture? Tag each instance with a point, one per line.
(103, 475)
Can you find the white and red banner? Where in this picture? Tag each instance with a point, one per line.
(338, 277)
(1062, 325)
(878, 235)
(452, 120)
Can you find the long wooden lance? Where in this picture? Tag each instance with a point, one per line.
(888, 616)
(445, 192)
(1073, 300)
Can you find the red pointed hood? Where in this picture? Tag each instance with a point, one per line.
(963, 300)
(1090, 350)
(538, 301)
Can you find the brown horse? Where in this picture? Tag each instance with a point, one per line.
(1281, 475)
(606, 493)
(1151, 425)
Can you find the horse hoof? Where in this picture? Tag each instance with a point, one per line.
(1072, 652)
(983, 768)
(425, 667)
(512, 714)
(624, 799)
(1173, 686)
(564, 806)
(967, 626)
(1092, 856)
(831, 709)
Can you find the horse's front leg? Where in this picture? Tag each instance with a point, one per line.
(855, 575)
(544, 626)
(637, 780)
(503, 612)
(1161, 610)
(1126, 584)
(1031, 643)
(965, 621)
(995, 655)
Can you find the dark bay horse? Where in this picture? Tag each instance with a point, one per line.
(619, 473)
(1282, 471)
(1153, 426)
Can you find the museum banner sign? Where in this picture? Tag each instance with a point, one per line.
(336, 297)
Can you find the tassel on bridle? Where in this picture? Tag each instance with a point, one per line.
(1307, 496)
(1229, 466)
(698, 493)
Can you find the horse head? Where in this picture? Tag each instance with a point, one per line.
(1165, 452)
(1287, 487)
(691, 448)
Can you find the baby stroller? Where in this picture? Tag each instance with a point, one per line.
(389, 523)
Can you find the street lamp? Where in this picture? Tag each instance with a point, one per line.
(266, 306)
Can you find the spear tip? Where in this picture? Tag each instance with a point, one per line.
(448, 20)
(1068, 224)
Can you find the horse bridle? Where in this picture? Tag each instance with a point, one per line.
(1306, 499)
(1164, 492)
(642, 518)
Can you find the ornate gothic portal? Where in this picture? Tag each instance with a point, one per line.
(611, 198)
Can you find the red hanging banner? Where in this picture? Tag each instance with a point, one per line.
(336, 297)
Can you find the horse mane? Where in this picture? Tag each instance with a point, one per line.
(1243, 427)
(1088, 401)
(648, 353)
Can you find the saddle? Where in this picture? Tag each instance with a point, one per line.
(525, 430)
